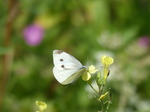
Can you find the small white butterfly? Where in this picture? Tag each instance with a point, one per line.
(66, 68)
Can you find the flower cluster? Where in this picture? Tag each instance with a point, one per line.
(106, 61)
(101, 79)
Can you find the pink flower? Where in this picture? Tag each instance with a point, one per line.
(144, 41)
(33, 35)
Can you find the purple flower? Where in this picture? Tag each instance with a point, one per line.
(33, 35)
(144, 41)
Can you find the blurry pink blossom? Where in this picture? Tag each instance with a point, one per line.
(144, 41)
(33, 35)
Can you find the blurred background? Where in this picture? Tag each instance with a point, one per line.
(87, 29)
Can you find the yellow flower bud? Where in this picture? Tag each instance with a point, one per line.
(102, 96)
(42, 105)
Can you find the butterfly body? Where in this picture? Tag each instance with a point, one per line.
(66, 69)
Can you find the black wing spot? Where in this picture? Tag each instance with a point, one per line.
(61, 60)
(59, 51)
(62, 66)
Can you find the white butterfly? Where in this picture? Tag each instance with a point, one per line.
(66, 68)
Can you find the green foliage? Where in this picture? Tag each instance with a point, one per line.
(85, 29)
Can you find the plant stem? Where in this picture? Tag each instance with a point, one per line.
(94, 89)
(109, 102)
(7, 58)
(102, 105)
(101, 90)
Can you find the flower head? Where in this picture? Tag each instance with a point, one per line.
(90, 71)
(42, 106)
(107, 61)
(33, 34)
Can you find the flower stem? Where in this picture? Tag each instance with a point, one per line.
(109, 102)
(94, 89)
(101, 90)
(102, 105)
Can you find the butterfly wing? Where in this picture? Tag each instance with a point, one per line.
(66, 68)
(67, 76)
